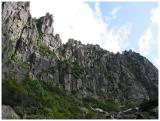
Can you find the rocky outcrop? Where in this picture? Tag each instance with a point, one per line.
(111, 76)
(9, 113)
(31, 50)
(45, 28)
(14, 17)
(45, 24)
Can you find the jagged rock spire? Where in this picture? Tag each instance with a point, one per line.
(46, 24)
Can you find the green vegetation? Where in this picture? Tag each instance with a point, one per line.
(11, 117)
(105, 105)
(13, 57)
(66, 62)
(9, 61)
(44, 102)
(14, 86)
(44, 50)
(19, 62)
(34, 112)
(77, 69)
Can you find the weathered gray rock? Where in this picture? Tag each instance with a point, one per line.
(46, 31)
(45, 24)
(31, 48)
(15, 16)
(118, 77)
(9, 113)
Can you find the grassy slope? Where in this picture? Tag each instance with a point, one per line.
(35, 100)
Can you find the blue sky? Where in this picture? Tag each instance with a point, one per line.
(138, 14)
(115, 26)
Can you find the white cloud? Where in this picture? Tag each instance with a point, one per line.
(155, 18)
(155, 15)
(75, 19)
(145, 42)
(118, 38)
(115, 11)
(149, 40)
(123, 34)
(98, 10)
(113, 14)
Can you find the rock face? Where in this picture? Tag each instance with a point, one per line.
(118, 77)
(8, 113)
(30, 49)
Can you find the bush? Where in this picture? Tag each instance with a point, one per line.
(31, 112)
(44, 50)
(14, 86)
(44, 102)
(34, 87)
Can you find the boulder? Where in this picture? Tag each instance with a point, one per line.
(9, 113)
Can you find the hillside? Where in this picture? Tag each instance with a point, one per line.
(45, 78)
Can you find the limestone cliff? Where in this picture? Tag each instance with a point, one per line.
(30, 49)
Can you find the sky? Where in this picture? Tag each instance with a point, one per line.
(115, 26)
